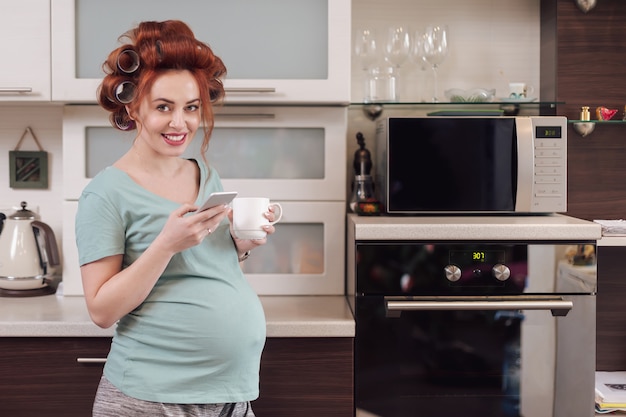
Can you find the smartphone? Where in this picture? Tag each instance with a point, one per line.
(218, 199)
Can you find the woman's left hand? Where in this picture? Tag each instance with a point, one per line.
(244, 245)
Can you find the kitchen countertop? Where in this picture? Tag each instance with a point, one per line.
(66, 316)
(434, 228)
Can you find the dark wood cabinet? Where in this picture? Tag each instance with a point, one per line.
(610, 317)
(299, 376)
(40, 376)
(306, 377)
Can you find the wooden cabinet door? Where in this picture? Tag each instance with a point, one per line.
(301, 377)
(42, 376)
(306, 377)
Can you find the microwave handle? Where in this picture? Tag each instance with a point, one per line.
(557, 306)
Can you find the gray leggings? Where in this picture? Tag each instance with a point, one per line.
(111, 402)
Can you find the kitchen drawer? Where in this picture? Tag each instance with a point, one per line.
(304, 257)
(43, 376)
(284, 153)
(276, 51)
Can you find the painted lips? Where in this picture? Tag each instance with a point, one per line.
(175, 140)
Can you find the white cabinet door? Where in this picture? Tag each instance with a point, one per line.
(276, 51)
(283, 153)
(25, 50)
(305, 256)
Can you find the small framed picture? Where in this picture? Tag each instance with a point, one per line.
(28, 169)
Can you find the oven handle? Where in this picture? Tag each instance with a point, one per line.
(557, 305)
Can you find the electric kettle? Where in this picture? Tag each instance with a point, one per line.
(28, 251)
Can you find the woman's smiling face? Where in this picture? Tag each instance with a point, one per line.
(169, 116)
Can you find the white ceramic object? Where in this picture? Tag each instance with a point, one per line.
(249, 219)
(28, 251)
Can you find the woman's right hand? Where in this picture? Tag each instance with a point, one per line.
(185, 228)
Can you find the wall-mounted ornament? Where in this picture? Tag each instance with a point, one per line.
(28, 169)
(586, 5)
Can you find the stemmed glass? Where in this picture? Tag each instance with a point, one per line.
(436, 50)
(365, 48)
(418, 57)
(397, 46)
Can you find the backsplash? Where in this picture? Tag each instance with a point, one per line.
(46, 123)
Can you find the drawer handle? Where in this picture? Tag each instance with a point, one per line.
(262, 90)
(91, 360)
(247, 115)
(557, 305)
(16, 90)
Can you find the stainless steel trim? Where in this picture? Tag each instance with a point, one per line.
(91, 360)
(11, 278)
(557, 305)
(526, 164)
(16, 89)
(250, 90)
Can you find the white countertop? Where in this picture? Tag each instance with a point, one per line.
(67, 316)
(435, 228)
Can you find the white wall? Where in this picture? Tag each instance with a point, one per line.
(45, 122)
(491, 43)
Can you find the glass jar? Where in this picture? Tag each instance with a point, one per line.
(363, 201)
(381, 85)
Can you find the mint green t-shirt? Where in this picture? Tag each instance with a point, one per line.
(198, 336)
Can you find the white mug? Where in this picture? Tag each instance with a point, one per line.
(249, 219)
(519, 90)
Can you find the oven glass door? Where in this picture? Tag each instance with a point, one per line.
(451, 362)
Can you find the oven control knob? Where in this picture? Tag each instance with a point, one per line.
(453, 273)
(501, 272)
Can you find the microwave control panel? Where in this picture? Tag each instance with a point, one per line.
(550, 164)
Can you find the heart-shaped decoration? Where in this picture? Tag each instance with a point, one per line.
(586, 5)
(602, 113)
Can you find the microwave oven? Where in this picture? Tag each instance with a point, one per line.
(465, 165)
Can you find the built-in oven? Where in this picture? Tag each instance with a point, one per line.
(471, 327)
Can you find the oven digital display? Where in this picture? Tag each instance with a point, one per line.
(548, 132)
(477, 257)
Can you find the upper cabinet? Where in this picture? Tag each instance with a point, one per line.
(25, 50)
(276, 51)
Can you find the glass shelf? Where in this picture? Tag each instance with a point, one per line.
(458, 103)
(586, 127)
(598, 121)
(509, 108)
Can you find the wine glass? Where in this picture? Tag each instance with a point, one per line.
(365, 48)
(418, 57)
(397, 45)
(436, 50)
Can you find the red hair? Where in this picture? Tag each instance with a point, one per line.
(151, 49)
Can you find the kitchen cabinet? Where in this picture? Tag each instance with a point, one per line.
(292, 155)
(283, 153)
(276, 51)
(25, 49)
(299, 376)
(303, 257)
